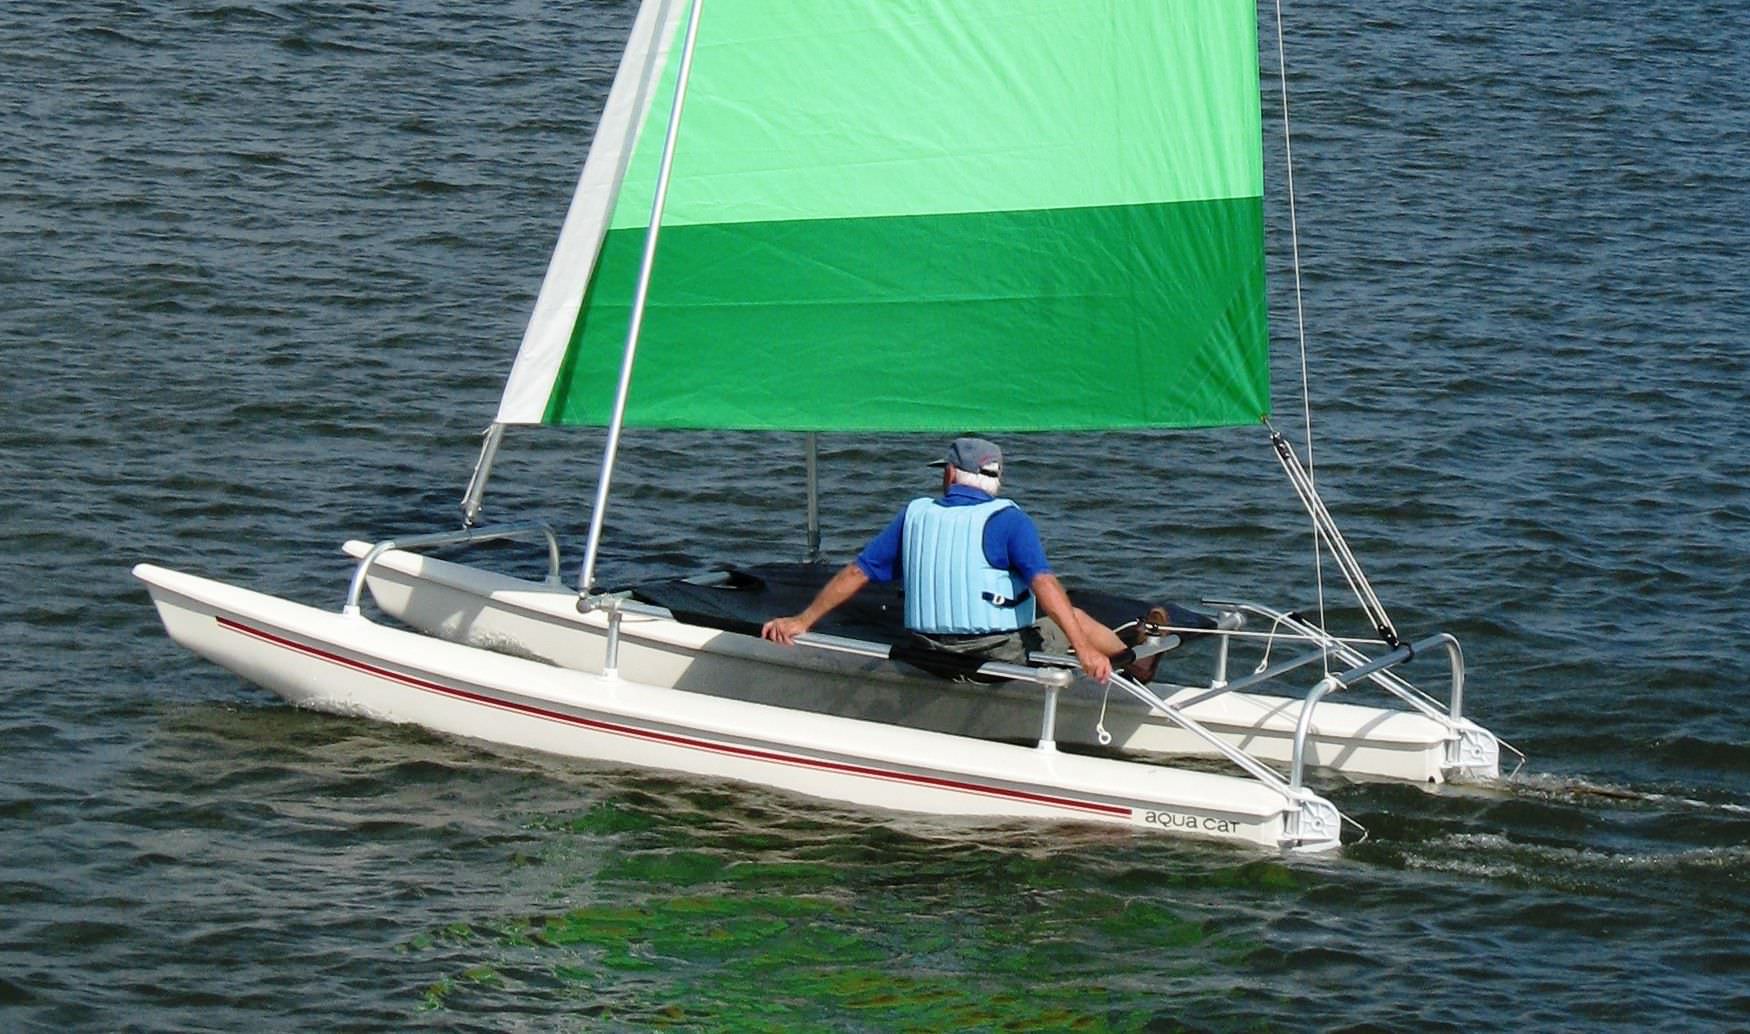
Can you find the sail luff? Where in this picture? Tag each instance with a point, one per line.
(544, 343)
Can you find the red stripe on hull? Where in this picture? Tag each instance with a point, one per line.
(671, 738)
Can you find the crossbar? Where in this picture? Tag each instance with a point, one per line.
(468, 536)
(1380, 675)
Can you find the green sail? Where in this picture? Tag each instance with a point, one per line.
(939, 215)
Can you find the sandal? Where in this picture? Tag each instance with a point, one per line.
(1143, 670)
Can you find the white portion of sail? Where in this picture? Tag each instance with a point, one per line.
(586, 223)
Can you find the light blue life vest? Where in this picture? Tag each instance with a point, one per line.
(950, 588)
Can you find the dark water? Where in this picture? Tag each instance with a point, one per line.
(264, 268)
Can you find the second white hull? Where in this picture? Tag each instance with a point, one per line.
(480, 608)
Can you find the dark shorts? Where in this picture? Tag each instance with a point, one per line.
(1043, 636)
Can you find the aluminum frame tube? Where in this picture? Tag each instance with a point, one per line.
(1274, 671)
(1048, 721)
(586, 578)
(1050, 678)
(476, 493)
(525, 529)
(1369, 670)
(1389, 681)
(1257, 769)
(1297, 768)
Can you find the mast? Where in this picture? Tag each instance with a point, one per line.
(813, 498)
(640, 297)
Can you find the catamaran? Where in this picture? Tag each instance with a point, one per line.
(782, 200)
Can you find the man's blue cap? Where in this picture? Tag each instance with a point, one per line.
(975, 456)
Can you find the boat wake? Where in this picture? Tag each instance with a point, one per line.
(1666, 875)
(1579, 790)
(1566, 834)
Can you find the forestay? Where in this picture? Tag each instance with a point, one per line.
(924, 215)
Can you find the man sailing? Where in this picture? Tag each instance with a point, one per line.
(975, 575)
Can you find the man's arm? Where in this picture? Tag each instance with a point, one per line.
(1055, 602)
(843, 586)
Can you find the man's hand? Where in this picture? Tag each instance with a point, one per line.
(843, 586)
(1077, 626)
(784, 630)
(1096, 664)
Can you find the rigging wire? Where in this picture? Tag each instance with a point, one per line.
(1299, 306)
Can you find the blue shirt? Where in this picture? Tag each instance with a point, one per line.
(1011, 542)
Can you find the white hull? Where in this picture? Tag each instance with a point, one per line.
(468, 605)
(348, 664)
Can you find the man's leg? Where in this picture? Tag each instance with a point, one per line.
(1106, 640)
(1103, 638)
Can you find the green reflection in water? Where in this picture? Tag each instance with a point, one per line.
(689, 923)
